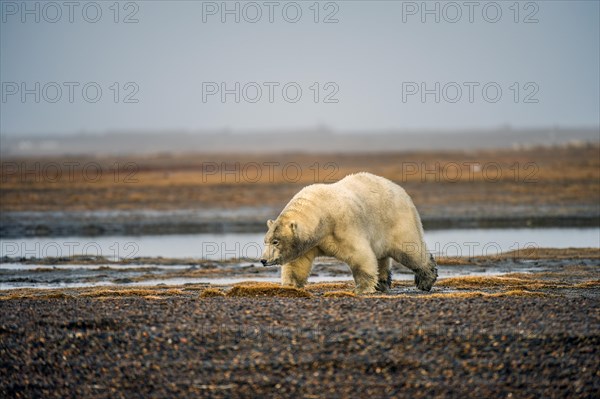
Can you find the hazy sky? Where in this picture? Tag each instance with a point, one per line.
(369, 68)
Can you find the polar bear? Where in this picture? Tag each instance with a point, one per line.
(363, 220)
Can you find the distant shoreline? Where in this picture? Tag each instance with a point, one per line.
(218, 193)
(314, 141)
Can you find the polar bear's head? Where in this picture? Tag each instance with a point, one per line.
(282, 242)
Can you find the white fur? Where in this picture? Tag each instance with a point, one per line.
(362, 220)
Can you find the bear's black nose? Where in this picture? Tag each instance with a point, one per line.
(263, 261)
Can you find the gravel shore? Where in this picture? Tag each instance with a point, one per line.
(518, 335)
(163, 347)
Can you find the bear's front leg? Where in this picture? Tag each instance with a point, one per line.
(296, 273)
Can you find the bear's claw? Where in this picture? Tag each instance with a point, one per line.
(384, 285)
(425, 280)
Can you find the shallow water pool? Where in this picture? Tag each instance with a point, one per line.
(221, 247)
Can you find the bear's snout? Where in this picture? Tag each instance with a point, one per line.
(263, 261)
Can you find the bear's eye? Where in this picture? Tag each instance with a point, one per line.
(275, 242)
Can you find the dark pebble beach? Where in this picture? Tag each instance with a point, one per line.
(482, 347)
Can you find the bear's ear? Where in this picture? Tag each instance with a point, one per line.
(270, 223)
(294, 227)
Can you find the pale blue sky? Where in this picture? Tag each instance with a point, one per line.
(370, 54)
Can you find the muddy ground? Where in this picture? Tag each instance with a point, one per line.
(519, 335)
(74, 271)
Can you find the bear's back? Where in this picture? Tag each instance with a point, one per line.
(370, 185)
(371, 193)
(361, 193)
(377, 204)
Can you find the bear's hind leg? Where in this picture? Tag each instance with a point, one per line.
(424, 267)
(426, 276)
(384, 274)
